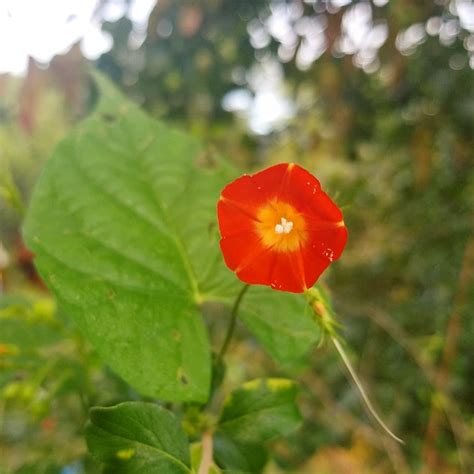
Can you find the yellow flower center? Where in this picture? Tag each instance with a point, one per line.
(281, 227)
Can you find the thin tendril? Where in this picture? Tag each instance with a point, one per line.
(359, 386)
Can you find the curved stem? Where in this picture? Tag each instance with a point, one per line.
(233, 320)
(362, 392)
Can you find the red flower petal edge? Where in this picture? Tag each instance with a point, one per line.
(279, 228)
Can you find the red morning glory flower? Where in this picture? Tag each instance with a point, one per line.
(279, 228)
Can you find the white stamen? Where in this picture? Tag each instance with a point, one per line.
(285, 227)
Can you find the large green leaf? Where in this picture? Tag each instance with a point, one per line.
(282, 322)
(110, 234)
(137, 437)
(194, 212)
(188, 180)
(260, 410)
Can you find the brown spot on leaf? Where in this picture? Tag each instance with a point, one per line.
(182, 377)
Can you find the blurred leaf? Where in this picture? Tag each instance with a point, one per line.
(135, 437)
(26, 325)
(238, 458)
(8, 189)
(27, 330)
(39, 468)
(260, 410)
(281, 321)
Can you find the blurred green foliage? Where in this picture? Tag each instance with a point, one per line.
(395, 142)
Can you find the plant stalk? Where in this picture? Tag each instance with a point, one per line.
(207, 448)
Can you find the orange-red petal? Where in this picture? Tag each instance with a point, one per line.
(321, 250)
(255, 259)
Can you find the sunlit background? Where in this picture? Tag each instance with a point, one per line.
(43, 29)
(375, 97)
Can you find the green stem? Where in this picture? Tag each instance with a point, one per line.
(362, 392)
(233, 320)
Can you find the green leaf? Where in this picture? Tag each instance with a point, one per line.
(189, 180)
(260, 410)
(137, 437)
(282, 322)
(194, 212)
(120, 223)
(238, 458)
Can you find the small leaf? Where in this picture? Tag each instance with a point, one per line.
(238, 458)
(137, 437)
(260, 410)
(282, 322)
